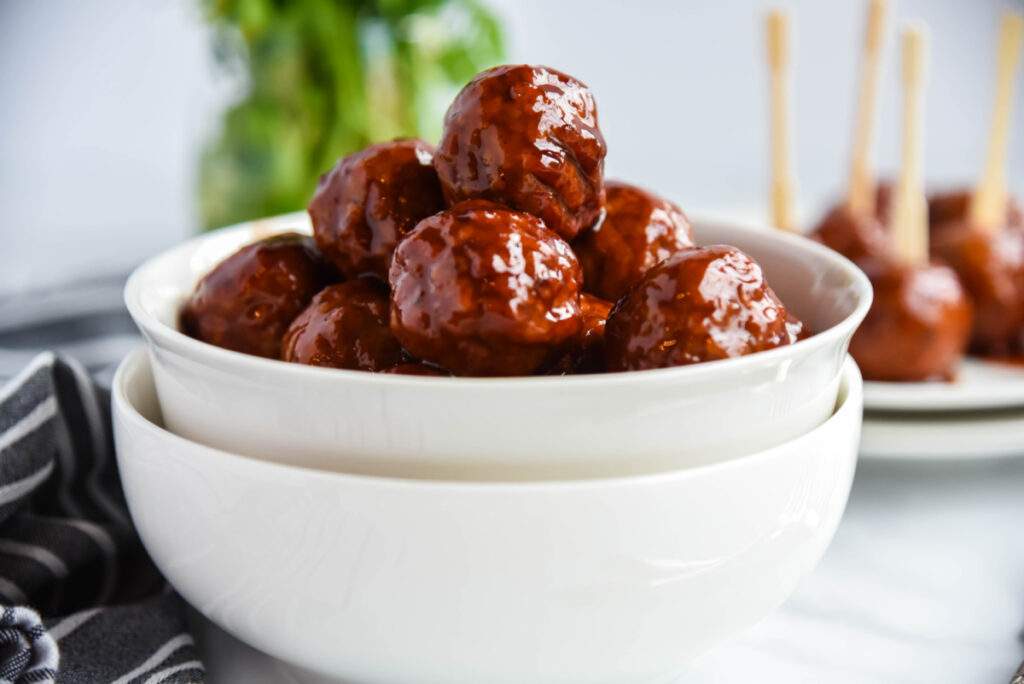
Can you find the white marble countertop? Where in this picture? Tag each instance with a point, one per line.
(924, 583)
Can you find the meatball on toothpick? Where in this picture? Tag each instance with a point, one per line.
(856, 227)
(974, 236)
(918, 324)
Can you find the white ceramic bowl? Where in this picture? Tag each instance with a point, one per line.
(501, 429)
(377, 580)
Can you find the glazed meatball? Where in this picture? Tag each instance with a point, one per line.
(415, 368)
(947, 215)
(917, 328)
(858, 237)
(639, 230)
(587, 355)
(345, 326)
(944, 207)
(248, 300)
(885, 192)
(702, 304)
(527, 137)
(991, 269)
(483, 290)
(370, 200)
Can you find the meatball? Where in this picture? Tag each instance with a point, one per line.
(370, 200)
(345, 326)
(639, 230)
(702, 304)
(885, 193)
(248, 300)
(858, 237)
(526, 136)
(917, 328)
(414, 368)
(947, 214)
(944, 207)
(483, 290)
(587, 355)
(991, 269)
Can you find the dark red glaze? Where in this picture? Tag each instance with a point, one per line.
(953, 205)
(991, 268)
(345, 326)
(587, 354)
(858, 237)
(639, 230)
(947, 214)
(865, 239)
(884, 193)
(413, 368)
(370, 200)
(527, 137)
(1013, 360)
(917, 328)
(944, 207)
(248, 300)
(482, 290)
(595, 313)
(701, 304)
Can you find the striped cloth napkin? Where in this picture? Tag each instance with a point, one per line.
(80, 601)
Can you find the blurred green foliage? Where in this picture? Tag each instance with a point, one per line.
(326, 78)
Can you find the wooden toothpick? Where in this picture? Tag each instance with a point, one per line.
(910, 213)
(782, 181)
(861, 193)
(988, 204)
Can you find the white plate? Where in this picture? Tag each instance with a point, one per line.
(979, 385)
(943, 436)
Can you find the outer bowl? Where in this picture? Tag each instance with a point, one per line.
(377, 581)
(502, 429)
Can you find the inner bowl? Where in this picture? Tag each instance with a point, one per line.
(502, 428)
(375, 580)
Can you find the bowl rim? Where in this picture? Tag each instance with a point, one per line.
(849, 400)
(173, 339)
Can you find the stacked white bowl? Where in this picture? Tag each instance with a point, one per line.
(383, 528)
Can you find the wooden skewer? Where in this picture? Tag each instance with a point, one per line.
(910, 213)
(860, 196)
(988, 204)
(782, 181)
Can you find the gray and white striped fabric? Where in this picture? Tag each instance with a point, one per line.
(80, 601)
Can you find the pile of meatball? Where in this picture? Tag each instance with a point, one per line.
(970, 298)
(502, 252)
